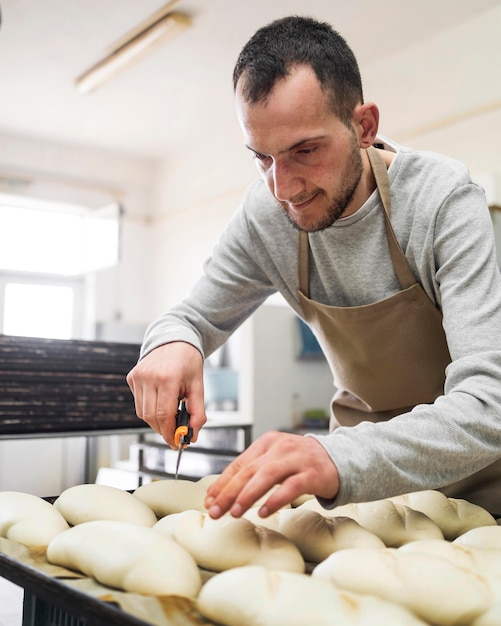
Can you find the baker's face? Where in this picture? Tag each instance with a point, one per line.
(310, 161)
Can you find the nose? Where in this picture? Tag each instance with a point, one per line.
(285, 180)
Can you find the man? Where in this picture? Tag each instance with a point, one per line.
(401, 288)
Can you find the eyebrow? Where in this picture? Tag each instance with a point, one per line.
(295, 145)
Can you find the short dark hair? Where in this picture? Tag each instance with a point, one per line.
(275, 49)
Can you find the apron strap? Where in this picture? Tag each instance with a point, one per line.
(303, 253)
(400, 264)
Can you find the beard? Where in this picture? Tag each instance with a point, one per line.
(341, 198)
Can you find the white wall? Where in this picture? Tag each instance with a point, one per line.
(43, 467)
(195, 198)
(444, 94)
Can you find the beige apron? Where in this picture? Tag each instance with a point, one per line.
(388, 356)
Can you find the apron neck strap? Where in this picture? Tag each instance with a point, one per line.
(400, 264)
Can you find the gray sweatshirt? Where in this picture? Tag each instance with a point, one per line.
(443, 225)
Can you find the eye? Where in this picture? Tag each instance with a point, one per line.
(306, 150)
(260, 157)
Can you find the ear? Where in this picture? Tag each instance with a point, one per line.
(365, 121)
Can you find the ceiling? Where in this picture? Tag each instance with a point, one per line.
(179, 97)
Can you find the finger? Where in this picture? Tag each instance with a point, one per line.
(231, 470)
(290, 489)
(196, 408)
(222, 494)
(249, 484)
(136, 394)
(167, 403)
(271, 477)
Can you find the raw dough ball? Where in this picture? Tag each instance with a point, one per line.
(453, 517)
(484, 561)
(228, 542)
(206, 481)
(255, 596)
(271, 522)
(128, 557)
(301, 500)
(317, 536)
(85, 503)
(429, 586)
(394, 524)
(167, 496)
(484, 537)
(29, 520)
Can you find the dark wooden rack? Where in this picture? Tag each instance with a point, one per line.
(52, 387)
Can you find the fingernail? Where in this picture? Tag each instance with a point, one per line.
(236, 510)
(263, 511)
(215, 511)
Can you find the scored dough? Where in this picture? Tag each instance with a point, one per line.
(29, 520)
(89, 502)
(484, 537)
(228, 542)
(453, 516)
(253, 595)
(393, 523)
(317, 536)
(128, 557)
(485, 561)
(167, 496)
(430, 586)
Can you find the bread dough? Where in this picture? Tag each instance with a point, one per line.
(29, 520)
(271, 521)
(128, 557)
(228, 542)
(317, 536)
(393, 523)
(453, 516)
(85, 503)
(484, 537)
(167, 496)
(301, 500)
(256, 596)
(484, 561)
(430, 586)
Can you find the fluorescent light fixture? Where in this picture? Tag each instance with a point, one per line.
(139, 44)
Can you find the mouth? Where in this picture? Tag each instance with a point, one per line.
(303, 205)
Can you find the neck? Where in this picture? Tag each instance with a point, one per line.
(365, 187)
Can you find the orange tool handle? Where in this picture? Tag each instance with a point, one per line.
(182, 425)
(181, 431)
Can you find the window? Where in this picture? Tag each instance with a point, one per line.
(46, 250)
(36, 310)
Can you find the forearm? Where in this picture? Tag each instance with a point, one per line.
(428, 448)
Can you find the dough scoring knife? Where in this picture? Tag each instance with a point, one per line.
(184, 433)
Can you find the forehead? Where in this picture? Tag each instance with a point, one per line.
(296, 107)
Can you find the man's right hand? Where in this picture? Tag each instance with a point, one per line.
(167, 373)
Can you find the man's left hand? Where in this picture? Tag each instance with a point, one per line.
(297, 464)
